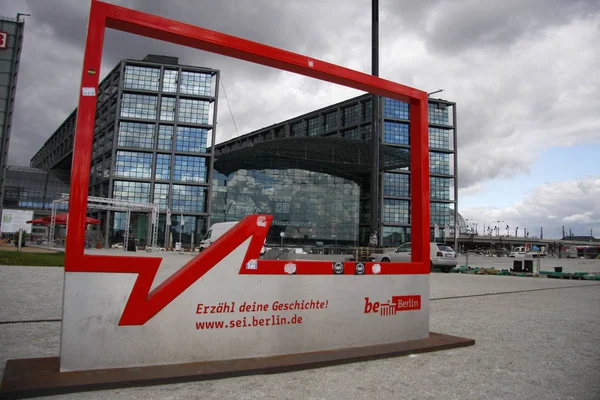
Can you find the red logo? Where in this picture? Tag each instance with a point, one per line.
(3, 40)
(398, 303)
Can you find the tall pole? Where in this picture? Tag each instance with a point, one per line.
(375, 123)
(498, 226)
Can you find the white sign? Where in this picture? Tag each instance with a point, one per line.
(282, 207)
(242, 307)
(88, 91)
(13, 220)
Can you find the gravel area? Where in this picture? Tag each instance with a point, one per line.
(540, 344)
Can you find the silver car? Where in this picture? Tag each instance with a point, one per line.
(441, 255)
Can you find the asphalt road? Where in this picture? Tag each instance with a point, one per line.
(538, 341)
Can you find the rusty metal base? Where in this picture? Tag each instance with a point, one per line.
(42, 377)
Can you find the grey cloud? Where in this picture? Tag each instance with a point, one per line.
(454, 26)
(518, 87)
(572, 204)
(54, 44)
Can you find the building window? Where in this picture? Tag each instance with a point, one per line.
(394, 236)
(161, 195)
(191, 139)
(396, 211)
(397, 185)
(195, 83)
(331, 121)
(439, 138)
(441, 214)
(438, 114)
(352, 134)
(189, 169)
(314, 126)
(165, 137)
(188, 198)
(163, 167)
(144, 78)
(193, 111)
(131, 191)
(167, 109)
(395, 132)
(170, 81)
(138, 106)
(136, 134)
(351, 115)
(131, 164)
(298, 129)
(367, 111)
(439, 163)
(365, 132)
(395, 109)
(439, 188)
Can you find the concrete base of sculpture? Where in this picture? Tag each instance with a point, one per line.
(42, 376)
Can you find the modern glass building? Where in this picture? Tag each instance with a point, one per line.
(152, 144)
(313, 174)
(154, 139)
(11, 42)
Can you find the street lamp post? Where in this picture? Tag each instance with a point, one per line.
(498, 226)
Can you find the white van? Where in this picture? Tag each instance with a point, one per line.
(215, 232)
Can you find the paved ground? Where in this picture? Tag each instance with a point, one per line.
(538, 344)
(546, 263)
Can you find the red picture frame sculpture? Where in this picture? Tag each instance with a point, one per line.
(104, 15)
(42, 376)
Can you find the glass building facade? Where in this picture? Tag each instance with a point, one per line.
(314, 208)
(34, 189)
(310, 208)
(152, 144)
(11, 42)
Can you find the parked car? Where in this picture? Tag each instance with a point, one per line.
(441, 255)
(571, 252)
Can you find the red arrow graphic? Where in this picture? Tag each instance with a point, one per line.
(143, 304)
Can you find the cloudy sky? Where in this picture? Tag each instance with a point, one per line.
(524, 74)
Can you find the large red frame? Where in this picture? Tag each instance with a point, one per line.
(104, 15)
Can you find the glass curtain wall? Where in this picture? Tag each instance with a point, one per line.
(310, 208)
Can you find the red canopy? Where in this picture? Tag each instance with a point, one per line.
(38, 221)
(61, 219)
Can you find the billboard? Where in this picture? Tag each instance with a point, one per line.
(13, 220)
